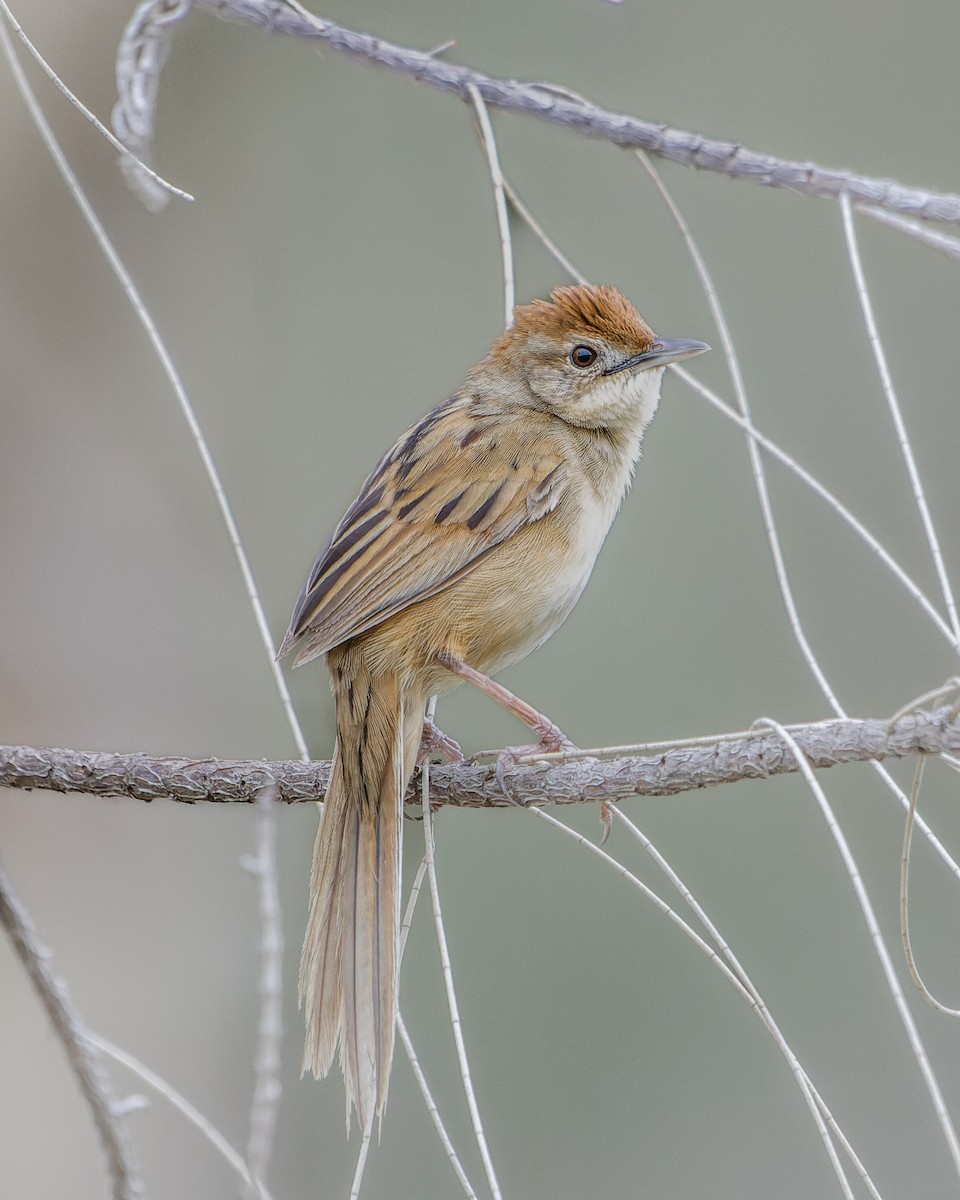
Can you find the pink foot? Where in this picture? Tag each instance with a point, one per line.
(435, 741)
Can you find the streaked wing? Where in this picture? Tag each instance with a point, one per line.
(432, 507)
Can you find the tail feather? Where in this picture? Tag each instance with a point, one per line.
(350, 961)
(319, 990)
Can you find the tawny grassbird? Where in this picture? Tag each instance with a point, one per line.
(468, 545)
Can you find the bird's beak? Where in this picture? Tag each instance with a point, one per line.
(662, 352)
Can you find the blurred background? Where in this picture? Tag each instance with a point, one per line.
(337, 275)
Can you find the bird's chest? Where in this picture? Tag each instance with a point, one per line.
(528, 587)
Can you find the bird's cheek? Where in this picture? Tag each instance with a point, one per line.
(547, 385)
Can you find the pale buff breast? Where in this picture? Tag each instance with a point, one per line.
(507, 605)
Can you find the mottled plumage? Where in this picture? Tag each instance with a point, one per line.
(468, 545)
(419, 523)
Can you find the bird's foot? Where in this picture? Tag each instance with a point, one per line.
(435, 741)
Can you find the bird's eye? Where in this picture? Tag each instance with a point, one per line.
(583, 356)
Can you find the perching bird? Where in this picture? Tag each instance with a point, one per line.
(468, 545)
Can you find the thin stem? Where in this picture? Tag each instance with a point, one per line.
(537, 229)
(412, 904)
(188, 1110)
(265, 1105)
(733, 977)
(930, 237)
(434, 1111)
(82, 108)
(361, 1162)
(452, 1004)
(766, 507)
(503, 217)
(876, 937)
(408, 1046)
(820, 489)
(896, 414)
(813, 1098)
(76, 1039)
(905, 892)
(173, 377)
(753, 451)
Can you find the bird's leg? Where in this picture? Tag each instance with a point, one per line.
(551, 736)
(435, 741)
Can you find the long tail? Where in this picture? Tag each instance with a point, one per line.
(350, 960)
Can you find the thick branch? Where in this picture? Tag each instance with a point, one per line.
(755, 756)
(558, 105)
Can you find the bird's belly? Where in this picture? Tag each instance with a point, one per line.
(520, 592)
(522, 617)
(506, 605)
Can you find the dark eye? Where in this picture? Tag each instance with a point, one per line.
(583, 356)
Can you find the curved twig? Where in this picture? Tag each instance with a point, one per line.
(76, 1041)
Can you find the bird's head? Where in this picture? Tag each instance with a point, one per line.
(585, 355)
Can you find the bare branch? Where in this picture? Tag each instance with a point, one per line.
(76, 1042)
(757, 755)
(939, 241)
(560, 107)
(142, 52)
(268, 1088)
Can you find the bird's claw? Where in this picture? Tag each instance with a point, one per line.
(435, 741)
(606, 820)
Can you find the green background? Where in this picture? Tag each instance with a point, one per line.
(337, 275)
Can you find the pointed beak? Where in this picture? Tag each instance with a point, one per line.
(661, 353)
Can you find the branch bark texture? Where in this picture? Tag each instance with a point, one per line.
(561, 107)
(756, 755)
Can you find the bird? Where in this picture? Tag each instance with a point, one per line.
(468, 545)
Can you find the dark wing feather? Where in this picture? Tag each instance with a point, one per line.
(432, 507)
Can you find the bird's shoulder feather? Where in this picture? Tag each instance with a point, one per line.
(453, 487)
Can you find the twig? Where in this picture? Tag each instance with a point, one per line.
(773, 537)
(930, 1080)
(757, 755)
(183, 1106)
(411, 1052)
(819, 489)
(931, 237)
(76, 1041)
(361, 1166)
(166, 362)
(452, 1005)
(267, 1060)
(731, 971)
(818, 1107)
(143, 51)
(757, 468)
(161, 187)
(503, 217)
(905, 894)
(896, 414)
(524, 213)
(434, 1111)
(554, 105)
